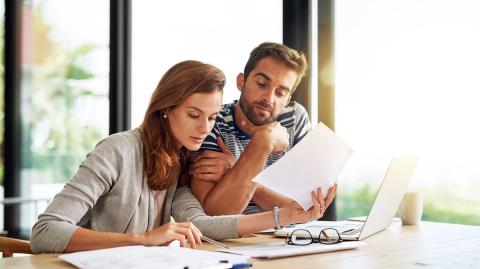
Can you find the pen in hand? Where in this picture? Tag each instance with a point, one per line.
(206, 239)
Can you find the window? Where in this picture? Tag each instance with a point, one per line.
(407, 83)
(64, 86)
(2, 104)
(218, 32)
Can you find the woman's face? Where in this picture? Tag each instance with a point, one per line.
(193, 120)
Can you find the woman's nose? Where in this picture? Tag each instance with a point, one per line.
(203, 127)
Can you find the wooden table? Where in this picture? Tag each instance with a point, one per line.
(428, 245)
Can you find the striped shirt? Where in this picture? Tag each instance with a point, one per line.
(294, 118)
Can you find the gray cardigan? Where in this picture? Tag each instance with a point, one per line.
(110, 193)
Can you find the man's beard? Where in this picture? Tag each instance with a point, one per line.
(248, 110)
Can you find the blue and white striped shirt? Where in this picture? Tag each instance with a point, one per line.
(294, 118)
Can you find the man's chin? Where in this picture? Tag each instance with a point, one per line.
(262, 121)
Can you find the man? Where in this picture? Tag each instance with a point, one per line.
(251, 134)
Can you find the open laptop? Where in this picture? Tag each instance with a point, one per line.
(381, 213)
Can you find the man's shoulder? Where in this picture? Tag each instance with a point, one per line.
(291, 111)
(295, 107)
(225, 119)
(227, 111)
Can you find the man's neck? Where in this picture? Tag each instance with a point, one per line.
(239, 116)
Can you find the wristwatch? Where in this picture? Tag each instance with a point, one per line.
(276, 218)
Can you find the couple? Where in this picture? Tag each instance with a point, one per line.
(132, 182)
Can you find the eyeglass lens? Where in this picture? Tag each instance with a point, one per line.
(329, 236)
(301, 237)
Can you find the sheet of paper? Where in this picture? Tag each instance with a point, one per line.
(316, 161)
(280, 249)
(151, 257)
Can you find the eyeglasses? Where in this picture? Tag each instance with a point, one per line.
(303, 237)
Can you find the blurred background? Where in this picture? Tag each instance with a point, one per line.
(391, 77)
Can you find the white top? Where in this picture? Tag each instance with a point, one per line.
(159, 198)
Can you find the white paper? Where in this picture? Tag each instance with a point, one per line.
(316, 161)
(280, 249)
(151, 257)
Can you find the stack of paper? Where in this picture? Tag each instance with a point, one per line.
(280, 249)
(152, 257)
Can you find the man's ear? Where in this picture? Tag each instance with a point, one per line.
(240, 81)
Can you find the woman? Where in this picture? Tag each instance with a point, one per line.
(126, 189)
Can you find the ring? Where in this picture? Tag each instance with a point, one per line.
(208, 172)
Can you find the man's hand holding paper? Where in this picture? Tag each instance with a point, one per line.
(314, 162)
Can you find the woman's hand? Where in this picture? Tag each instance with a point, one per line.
(295, 213)
(168, 232)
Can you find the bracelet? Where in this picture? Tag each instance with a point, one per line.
(276, 218)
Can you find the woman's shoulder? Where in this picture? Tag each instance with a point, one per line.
(122, 143)
(126, 139)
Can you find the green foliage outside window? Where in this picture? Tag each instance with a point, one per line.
(358, 203)
(54, 139)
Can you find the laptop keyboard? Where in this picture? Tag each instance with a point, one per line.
(347, 228)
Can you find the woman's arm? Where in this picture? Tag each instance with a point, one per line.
(294, 213)
(85, 239)
(57, 228)
(95, 177)
(186, 207)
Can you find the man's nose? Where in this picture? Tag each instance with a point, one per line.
(269, 96)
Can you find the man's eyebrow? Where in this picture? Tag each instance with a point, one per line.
(261, 74)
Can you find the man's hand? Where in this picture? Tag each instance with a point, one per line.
(212, 165)
(273, 134)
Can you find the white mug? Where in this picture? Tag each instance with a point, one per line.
(411, 208)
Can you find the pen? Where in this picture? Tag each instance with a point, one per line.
(206, 239)
(216, 243)
(241, 265)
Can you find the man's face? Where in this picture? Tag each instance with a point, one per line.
(266, 90)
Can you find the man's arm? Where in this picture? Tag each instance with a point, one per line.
(231, 194)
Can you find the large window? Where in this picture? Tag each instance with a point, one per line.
(64, 87)
(407, 83)
(218, 32)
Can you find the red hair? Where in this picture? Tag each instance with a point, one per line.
(163, 160)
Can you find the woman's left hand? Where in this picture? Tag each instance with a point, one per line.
(295, 213)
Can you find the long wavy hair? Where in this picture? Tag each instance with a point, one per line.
(164, 162)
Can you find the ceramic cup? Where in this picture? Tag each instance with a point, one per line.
(411, 208)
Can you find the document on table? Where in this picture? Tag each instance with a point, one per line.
(316, 161)
(152, 257)
(280, 249)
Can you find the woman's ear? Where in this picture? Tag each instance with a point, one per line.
(165, 113)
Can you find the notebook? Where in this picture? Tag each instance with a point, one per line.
(385, 205)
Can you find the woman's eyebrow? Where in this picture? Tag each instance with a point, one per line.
(196, 108)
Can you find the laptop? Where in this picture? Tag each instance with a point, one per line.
(385, 205)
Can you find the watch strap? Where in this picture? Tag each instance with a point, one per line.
(276, 217)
